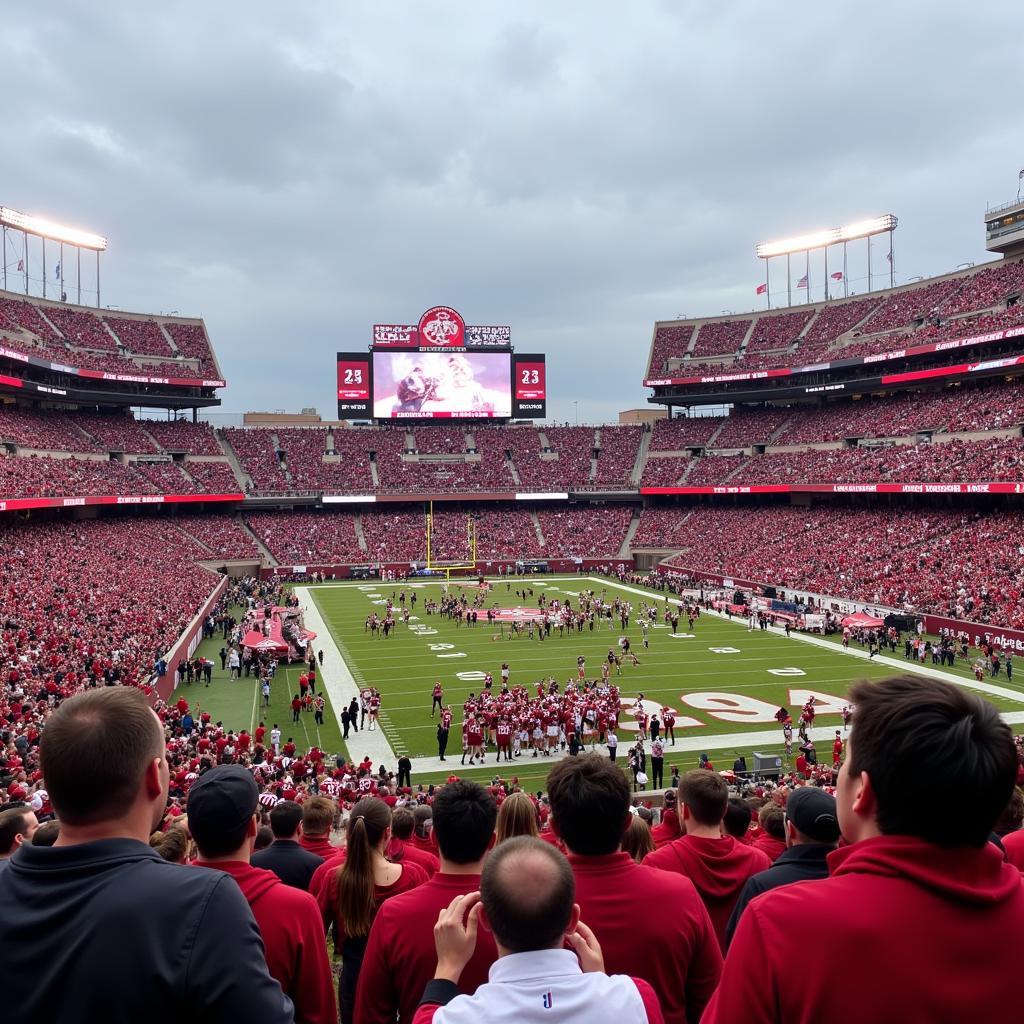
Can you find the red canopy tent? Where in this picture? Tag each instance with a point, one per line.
(256, 641)
(861, 620)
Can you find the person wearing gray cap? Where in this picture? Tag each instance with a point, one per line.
(812, 832)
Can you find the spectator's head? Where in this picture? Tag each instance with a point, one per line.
(264, 837)
(18, 825)
(172, 845)
(47, 833)
(422, 814)
(516, 817)
(772, 818)
(402, 823)
(285, 819)
(704, 797)
(528, 894)
(918, 748)
(104, 761)
(464, 816)
(222, 816)
(589, 804)
(737, 818)
(1013, 814)
(810, 817)
(318, 816)
(637, 840)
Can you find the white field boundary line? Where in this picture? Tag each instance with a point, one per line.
(337, 679)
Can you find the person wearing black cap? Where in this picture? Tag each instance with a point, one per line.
(223, 820)
(812, 832)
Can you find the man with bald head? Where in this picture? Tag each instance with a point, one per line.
(99, 926)
(527, 902)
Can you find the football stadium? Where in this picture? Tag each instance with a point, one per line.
(680, 697)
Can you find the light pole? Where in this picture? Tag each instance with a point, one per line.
(577, 406)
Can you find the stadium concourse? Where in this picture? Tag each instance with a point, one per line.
(862, 455)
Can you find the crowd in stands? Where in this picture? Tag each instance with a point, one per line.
(945, 562)
(575, 449)
(49, 431)
(192, 343)
(183, 436)
(142, 337)
(665, 471)
(933, 311)
(114, 431)
(684, 432)
(585, 532)
(616, 457)
(81, 329)
(215, 477)
(257, 455)
(222, 536)
(304, 538)
(40, 476)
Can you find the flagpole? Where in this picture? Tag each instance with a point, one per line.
(892, 263)
(24, 262)
(789, 285)
(807, 274)
(826, 273)
(5, 257)
(846, 287)
(79, 251)
(869, 262)
(97, 279)
(768, 282)
(44, 266)
(61, 271)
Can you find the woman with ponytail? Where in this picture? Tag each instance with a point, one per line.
(362, 883)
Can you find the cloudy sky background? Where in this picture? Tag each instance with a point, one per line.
(295, 172)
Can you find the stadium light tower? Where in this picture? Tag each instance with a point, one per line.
(43, 229)
(822, 240)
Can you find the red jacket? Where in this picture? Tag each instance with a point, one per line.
(1013, 844)
(320, 845)
(293, 939)
(719, 868)
(401, 958)
(402, 851)
(650, 925)
(667, 829)
(916, 933)
(770, 846)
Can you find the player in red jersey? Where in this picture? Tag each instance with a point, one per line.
(438, 695)
(504, 732)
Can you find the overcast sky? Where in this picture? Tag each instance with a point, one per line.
(294, 173)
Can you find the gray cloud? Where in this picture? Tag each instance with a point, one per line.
(577, 170)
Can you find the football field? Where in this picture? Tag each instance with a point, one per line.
(723, 681)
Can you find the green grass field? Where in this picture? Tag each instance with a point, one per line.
(722, 680)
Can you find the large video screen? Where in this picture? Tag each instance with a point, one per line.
(439, 385)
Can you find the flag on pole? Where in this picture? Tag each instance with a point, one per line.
(802, 283)
(56, 272)
(761, 289)
(21, 266)
(837, 275)
(1021, 175)
(888, 255)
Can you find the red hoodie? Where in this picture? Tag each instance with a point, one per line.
(667, 829)
(293, 939)
(1013, 844)
(770, 846)
(320, 845)
(718, 868)
(916, 933)
(401, 850)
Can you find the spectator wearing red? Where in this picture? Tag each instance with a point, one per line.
(223, 820)
(357, 889)
(771, 839)
(401, 849)
(668, 828)
(919, 894)
(318, 814)
(679, 955)
(400, 957)
(717, 864)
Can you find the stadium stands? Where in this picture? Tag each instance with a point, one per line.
(183, 436)
(114, 432)
(591, 532)
(771, 332)
(257, 455)
(669, 343)
(139, 336)
(617, 454)
(720, 337)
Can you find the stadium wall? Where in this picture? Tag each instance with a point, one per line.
(555, 565)
(979, 633)
(187, 643)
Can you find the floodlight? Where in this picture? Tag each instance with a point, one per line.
(49, 229)
(831, 236)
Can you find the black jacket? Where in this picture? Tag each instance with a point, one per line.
(289, 861)
(804, 863)
(109, 931)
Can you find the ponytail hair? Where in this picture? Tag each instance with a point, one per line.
(367, 824)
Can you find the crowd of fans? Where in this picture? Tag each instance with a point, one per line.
(183, 436)
(617, 454)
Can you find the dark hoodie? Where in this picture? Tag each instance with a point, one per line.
(718, 868)
(109, 931)
(293, 939)
(909, 931)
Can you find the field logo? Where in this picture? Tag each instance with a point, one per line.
(628, 722)
(442, 326)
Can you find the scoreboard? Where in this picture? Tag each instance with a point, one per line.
(441, 368)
